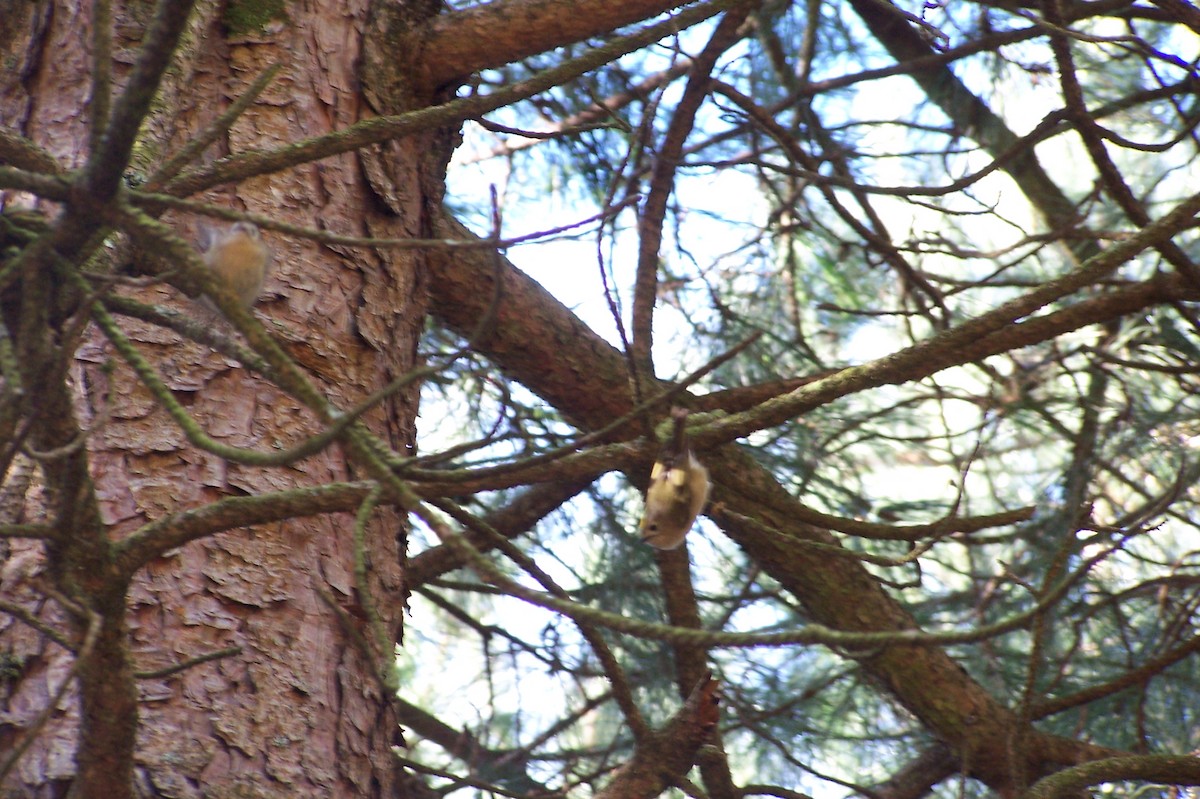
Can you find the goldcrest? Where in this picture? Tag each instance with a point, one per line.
(240, 258)
(677, 492)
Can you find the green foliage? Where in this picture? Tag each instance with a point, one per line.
(250, 17)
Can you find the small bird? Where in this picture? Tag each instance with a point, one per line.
(677, 492)
(240, 259)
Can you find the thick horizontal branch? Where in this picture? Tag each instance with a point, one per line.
(494, 34)
(1163, 769)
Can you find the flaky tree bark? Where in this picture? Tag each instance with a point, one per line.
(294, 706)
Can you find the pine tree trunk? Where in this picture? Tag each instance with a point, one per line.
(298, 710)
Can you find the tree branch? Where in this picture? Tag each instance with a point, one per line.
(460, 43)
